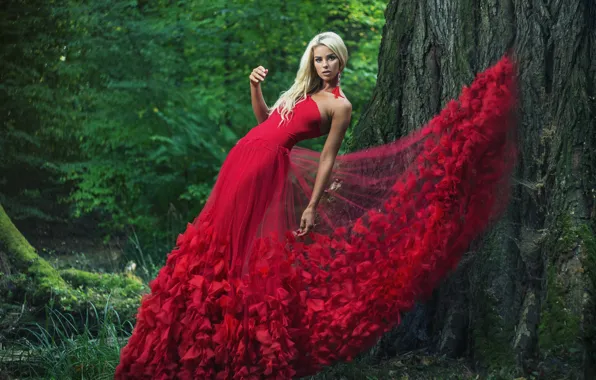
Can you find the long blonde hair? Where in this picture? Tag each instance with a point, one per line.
(307, 80)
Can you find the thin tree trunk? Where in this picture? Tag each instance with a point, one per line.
(66, 289)
(20, 257)
(527, 290)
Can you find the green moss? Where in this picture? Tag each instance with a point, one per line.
(492, 329)
(589, 263)
(119, 284)
(26, 260)
(559, 326)
(560, 330)
(589, 255)
(492, 337)
(37, 282)
(122, 291)
(566, 234)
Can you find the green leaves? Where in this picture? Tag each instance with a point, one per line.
(130, 108)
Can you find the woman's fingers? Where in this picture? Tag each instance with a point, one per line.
(258, 74)
(305, 228)
(262, 70)
(261, 73)
(307, 221)
(255, 79)
(300, 231)
(308, 228)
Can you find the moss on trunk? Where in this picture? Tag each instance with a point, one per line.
(22, 258)
(120, 285)
(27, 277)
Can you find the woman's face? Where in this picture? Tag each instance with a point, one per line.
(326, 62)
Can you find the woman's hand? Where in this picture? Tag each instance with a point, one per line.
(307, 222)
(258, 75)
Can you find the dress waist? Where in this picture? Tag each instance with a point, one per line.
(264, 143)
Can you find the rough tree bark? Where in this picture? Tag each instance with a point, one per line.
(525, 293)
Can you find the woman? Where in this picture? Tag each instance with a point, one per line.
(329, 56)
(243, 297)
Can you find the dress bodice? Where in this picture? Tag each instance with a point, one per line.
(304, 122)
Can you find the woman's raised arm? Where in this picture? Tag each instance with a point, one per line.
(259, 106)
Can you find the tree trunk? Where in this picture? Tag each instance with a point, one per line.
(17, 256)
(27, 277)
(526, 291)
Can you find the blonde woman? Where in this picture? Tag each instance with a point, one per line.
(318, 81)
(254, 289)
(246, 202)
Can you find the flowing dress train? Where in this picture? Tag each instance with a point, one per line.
(240, 297)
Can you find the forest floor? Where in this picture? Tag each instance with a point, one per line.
(410, 366)
(85, 355)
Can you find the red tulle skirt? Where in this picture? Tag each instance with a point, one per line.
(240, 297)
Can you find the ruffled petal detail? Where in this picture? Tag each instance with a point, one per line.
(284, 306)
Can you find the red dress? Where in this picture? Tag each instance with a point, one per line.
(240, 297)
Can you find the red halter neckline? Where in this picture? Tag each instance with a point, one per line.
(336, 92)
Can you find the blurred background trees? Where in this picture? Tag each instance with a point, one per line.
(118, 114)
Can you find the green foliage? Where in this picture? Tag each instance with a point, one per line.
(126, 110)
(40, 113)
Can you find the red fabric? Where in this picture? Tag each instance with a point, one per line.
(241, 298)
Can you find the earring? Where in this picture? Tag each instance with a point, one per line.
(338, 78)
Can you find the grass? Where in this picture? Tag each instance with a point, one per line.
(89, 348)
(71, 346)
(66, 349)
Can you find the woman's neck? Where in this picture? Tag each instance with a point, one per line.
(329, 86)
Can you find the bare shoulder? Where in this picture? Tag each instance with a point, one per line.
(342, 105)
(343, 96)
